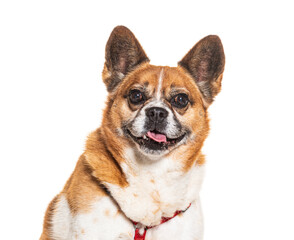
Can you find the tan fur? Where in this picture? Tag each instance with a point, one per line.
(103, 162)
(82, 188)
(47, 220)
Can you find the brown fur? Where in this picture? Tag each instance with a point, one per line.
(199, 75)
(47, 220)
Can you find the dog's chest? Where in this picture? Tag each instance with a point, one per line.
(156, 192)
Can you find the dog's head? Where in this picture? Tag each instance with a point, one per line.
(159, 109)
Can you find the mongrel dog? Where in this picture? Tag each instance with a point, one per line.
(141, 172)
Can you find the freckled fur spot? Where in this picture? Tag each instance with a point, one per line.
(117, 213)
(156, 211)
(106, 212)
(156, 197)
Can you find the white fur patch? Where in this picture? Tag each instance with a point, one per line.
(61, 220)
(156, 189)
(187, 226)
(102, 222)
(159, 86)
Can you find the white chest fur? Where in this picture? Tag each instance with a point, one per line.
(157, 189)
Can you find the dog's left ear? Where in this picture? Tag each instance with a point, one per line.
(206, 62)
(122, 54)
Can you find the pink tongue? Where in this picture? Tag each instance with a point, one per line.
(157, 136)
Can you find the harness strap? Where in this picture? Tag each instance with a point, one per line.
(138, 236)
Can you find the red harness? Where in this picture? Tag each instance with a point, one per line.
(138, 236)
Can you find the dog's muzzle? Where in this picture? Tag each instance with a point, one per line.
(156, 119)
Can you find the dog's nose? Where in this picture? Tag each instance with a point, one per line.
(156, 114)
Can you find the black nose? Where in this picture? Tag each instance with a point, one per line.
(156, 114)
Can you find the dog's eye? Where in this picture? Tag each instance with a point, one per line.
(180, 101)
(136, 96)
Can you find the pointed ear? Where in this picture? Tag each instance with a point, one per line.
(122, 54)
(206, 62)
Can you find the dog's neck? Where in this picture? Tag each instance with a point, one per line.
(136, 163)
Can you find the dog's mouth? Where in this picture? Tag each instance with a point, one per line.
(155, 140)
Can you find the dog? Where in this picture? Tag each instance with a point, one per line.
(141, 172)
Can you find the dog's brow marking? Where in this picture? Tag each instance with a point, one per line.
(159, 85)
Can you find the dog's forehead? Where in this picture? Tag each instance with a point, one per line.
(160, 79)
(175, 78)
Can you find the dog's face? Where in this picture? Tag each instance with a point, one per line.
(159, 109)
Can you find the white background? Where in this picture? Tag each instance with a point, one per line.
(52, 96)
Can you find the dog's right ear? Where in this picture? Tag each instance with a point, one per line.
(122, 54)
